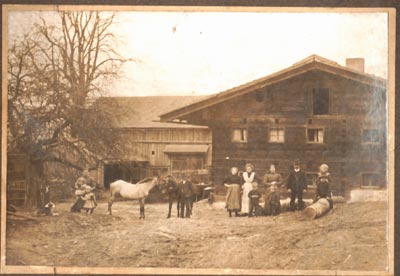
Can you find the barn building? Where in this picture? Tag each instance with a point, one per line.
(316, 110)
(151, 146)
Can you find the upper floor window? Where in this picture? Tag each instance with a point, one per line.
(371, 136)
(320, 101)
(315, 135)
(276, 135)
(239, 135)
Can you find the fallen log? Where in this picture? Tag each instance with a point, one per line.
(20, 216)
(285, 203)
(318, 209)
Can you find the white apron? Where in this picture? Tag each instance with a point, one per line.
(247, 187)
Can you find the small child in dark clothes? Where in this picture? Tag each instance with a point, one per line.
(324, 181)
(254, 196)
(272, 202)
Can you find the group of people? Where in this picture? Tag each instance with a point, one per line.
(85, 194)
(244, 194)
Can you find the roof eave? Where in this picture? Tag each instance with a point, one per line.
(282, 75)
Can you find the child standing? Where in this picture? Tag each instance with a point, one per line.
(323, 185)
(272, 201)
(254, 196)
(89, 199)
(233, 182)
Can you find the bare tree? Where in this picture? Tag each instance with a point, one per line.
(54, 75)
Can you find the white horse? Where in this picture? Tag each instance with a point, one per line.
(127, 190)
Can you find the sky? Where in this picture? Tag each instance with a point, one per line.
(199, 53)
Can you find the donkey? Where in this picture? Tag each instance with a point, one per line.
(127, 190)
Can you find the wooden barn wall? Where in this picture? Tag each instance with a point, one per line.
(352, 107)
(149, 144)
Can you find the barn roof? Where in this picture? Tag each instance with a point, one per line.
(143, 112)
(311, 63)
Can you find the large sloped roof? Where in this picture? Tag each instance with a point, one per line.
(143, 112)
(311, 63)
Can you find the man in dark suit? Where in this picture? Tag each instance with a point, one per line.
(172, 190)
(187, 189)
(296, 185)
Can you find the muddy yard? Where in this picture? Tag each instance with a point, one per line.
(352, 237)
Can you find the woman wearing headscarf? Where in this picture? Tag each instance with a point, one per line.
(233, 183)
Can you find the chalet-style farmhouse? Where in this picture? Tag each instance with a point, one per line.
(153, 147)
(316, 110)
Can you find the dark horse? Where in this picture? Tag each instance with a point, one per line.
(184, 196)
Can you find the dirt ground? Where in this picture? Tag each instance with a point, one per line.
(351, 237)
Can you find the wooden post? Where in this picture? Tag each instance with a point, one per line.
(318, 209)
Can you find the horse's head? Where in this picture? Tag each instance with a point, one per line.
(162, 183)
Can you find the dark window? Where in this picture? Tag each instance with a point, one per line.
(371, 180)
(260, 96)
(315, 135)
(321, 101)
(370, 136)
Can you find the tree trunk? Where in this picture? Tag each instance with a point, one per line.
(34, 183)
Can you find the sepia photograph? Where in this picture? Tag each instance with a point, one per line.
(197, 140)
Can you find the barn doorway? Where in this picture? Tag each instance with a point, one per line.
(131, 171)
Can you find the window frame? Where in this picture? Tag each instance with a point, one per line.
(276, 128)
(369, 142)
(240, 141)
(362, 186)
(312, 142)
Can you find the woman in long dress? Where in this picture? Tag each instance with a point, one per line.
(233, 183)
(249, 176)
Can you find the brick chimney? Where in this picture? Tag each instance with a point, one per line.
(356, 64)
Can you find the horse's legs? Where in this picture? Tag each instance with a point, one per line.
(178, 204)
(188, 203)
(191, 205)
(170, 202)
(141, 203)
(110, 203)
(182, 203)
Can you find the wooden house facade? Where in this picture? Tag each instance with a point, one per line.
(316, 111)
(152, 147)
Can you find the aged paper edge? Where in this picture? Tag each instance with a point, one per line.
(391, 12)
